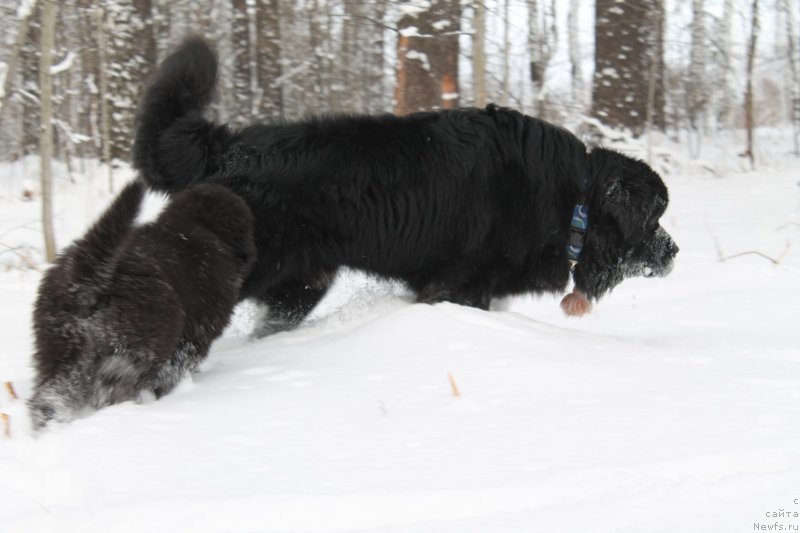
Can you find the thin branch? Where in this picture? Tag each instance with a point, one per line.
(775, 262)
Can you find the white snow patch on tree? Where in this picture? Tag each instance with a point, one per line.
(411, 31)
(65, 64)
(419, 56)
(25, 9)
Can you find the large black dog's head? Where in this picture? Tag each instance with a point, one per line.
(626, 200)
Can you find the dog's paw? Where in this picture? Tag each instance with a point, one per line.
(576, 304)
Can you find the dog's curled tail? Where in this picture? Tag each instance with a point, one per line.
(174, 145)
(98, 245)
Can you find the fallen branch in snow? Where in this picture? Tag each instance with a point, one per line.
(787, 225)
(30, 263)
(11, 392)
(775, 262)
(6, 424)
(453, 385)
(722, 257)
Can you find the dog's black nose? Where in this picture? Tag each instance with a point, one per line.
(673, 249)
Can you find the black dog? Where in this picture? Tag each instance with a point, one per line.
(463, 205)
(126, 310)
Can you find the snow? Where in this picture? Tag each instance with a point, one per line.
(675, 406)
(419, 56)
(64, 65)
(25, 9)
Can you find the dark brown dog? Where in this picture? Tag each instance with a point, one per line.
(127, 309)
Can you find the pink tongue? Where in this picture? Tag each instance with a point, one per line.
(576, 304)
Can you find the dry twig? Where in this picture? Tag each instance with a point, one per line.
(453, 385)
(774, 261)
(11, 392)
(6, 424)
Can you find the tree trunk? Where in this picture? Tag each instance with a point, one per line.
(46, 131)
(242, 62)
(794, 71)
(427, 56)
(31, 99)
(575, 56)
(11, 63)
(268, 31)
(104, 96)
(132, 59)
(629, 38)
(479, 53)
(749, 112)
(506, 81)
(725, 112)
(696, 90)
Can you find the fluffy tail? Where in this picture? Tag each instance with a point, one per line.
(174, 145)
(97, 247)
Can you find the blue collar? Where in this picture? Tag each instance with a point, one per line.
(579, 225)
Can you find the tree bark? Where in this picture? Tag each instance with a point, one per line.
(132, 59)
(696, 90)
(479, 53)
(46, 131)
(427, 57)
(268, 39)
(575, 56)
(13, 60)
(629, 38)
(104, 96)
(749, 112)
(242, 62)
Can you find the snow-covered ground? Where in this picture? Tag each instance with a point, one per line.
(674, 407)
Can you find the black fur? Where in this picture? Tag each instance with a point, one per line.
(463, 205)
(126, 310)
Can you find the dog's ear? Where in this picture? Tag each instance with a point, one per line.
(633, 209)
(630, 193)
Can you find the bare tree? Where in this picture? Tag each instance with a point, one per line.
(724, 93)
(696, 90)
(794, 69)
(427, 58)
(241, 113)
(542, 39)
(479, 52)
(629, 42)
(46, 129)
(13, 60)
(575, 56)
(132, 54)
(506, 77)
(268, 40)
(749, 118)
(104, 96)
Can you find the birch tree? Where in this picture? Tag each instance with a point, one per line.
(46, 127)
(479, 52)
(132, 56)
(575, 56)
